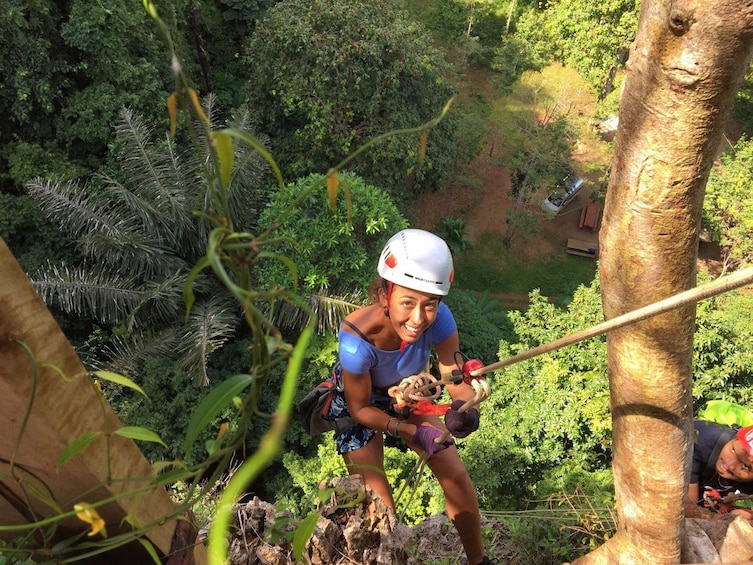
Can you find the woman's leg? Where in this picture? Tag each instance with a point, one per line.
(368, 461)
(460, 497)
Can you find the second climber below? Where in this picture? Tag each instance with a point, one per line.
(389, 340)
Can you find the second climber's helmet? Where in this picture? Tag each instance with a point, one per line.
(418, 260)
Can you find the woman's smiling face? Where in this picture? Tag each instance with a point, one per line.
(411, 312)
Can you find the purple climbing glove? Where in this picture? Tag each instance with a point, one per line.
(425, 436)
(461, 424)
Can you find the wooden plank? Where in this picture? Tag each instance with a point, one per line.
(582, 248)
(64, 407)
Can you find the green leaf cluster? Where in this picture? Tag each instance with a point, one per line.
(585, 35)
(546, 411)
(723, 350)
(331, 74)
(334, 252)
(728, 206)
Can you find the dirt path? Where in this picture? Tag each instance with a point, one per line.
(479, 194)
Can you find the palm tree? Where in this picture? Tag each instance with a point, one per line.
(140, 233)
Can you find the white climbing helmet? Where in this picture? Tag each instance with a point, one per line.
(418, 260)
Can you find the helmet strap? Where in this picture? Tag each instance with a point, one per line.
(390, 284)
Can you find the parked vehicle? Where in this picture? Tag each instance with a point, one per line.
(565, 191)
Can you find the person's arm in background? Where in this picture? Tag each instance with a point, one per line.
(692, 510)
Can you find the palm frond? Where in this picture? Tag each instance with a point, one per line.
(123, 354)
(103, 234)
(140, 235)
(163, 184)
(69, 205)
(327, 310)
(154, 170)
(160, 303)
(211, 323)
(130, 251)
(87, 293)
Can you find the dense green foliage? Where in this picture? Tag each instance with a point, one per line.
(728, 207)
(722, 351)
(331, 74)
(140, 238)
(589, 36)
(321, 78)
(336, 252)
(67, 70)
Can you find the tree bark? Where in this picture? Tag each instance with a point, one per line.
(684, 70)
(47, 404)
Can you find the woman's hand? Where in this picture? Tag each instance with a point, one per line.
(425, 438)
(461, 424)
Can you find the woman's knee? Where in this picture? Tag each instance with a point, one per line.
(448, 468)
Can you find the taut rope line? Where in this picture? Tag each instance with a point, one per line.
(721, 285)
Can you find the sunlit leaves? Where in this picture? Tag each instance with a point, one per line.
(332, 74)
(140, 434)
(335, 251)
(728, 206)
(120, 380)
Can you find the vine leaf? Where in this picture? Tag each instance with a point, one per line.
(303, 533)
(75, 447)
(213, 404)
(141, 434)
(121, 380)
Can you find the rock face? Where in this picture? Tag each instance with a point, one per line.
(354, 526)
(725, 539)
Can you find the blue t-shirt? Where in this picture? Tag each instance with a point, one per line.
(389, 367)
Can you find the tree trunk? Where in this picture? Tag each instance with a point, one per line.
(684, 70)
(45, 405)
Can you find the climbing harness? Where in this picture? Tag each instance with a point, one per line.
(420, 389)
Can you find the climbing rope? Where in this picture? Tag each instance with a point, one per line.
(474, 373)
(416, 388)
(721, 285)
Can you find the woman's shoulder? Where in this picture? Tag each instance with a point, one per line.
(362, 323)
(708, 433)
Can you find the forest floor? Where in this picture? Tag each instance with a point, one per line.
(480, 193)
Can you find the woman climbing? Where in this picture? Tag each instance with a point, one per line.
(389, 340)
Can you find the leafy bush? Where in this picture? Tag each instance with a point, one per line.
(481, 325)
(513, 57)
(454, 232)
(333, 252)
(584, 35)
(421, 498)
(728, 207)
(546, 411)
(331, 74)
